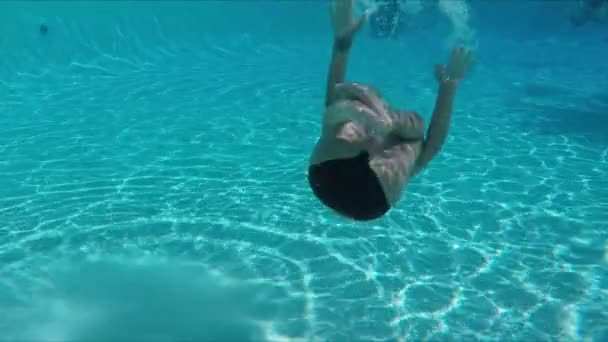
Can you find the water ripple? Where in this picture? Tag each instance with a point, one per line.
(198, 159)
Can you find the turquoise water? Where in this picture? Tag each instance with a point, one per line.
(153, 179)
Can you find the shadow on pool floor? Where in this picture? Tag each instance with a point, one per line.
(579, 117)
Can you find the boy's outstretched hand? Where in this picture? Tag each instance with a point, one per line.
(342, 19)
(457, 68)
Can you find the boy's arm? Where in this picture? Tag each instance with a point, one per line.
(448, 77)
(345, 29)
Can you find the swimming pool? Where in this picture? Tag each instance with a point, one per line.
(152, 181)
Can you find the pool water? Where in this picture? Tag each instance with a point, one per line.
(153, 179)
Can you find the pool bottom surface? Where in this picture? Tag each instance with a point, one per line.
(170, 200)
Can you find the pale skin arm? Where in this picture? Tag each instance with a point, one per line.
(448, 77)
(438, 127)
(398, 162)
(344, 124)
(337, 68)
(345, 29)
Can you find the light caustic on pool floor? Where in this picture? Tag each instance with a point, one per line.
(501, 238)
